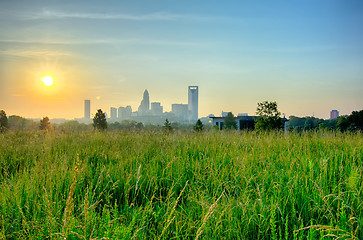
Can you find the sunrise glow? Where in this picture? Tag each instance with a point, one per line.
(47, 81)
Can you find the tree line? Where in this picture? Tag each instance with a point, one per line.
(100, 124)
(17, 123)
(352, 122)
(267, 118)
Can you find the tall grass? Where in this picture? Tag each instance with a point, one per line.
(213, 185)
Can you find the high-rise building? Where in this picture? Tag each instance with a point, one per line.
(156, 108)
(334, 114)
(113, 113)
(124, 113)
(180, 111)
(193, 102)
(145, 104)
(87, 109)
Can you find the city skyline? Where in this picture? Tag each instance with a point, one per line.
(306, 56)
(183, 113)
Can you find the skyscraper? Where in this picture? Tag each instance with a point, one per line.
(87, 109)
(334, 114)
(145, 104)
(180, 111)
(113, 113)
(156, 108)
(193, 102)
(124, 113)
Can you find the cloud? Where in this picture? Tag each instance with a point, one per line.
(154, 16)
(130, 41)
(64, 42)
(296, 49)
(34, 53)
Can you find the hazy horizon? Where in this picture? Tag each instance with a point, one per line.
(305, 55)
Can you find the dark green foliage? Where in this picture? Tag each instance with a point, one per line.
(267, 109)
(4, 125)
(167, 126)
(268, 117)
(45, 124)
(310, 123)
(198, 127)
(99, 121)
(230, 121)
(139, 125)
(356, 119)
(343, 123)
(353, 122)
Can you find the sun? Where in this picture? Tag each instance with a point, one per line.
(48, 81)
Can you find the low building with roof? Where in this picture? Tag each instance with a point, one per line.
(243, 122)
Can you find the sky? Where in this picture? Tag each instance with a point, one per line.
(307, 55)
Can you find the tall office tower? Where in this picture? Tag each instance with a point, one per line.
(113, 113)
(128, 112)
(193, 102)
(120, 114)
(156, 108)
(87, 109)
(334, 114)
(180, 111)
(124, 113)
(145, 104)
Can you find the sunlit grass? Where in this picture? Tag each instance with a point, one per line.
(212, 185)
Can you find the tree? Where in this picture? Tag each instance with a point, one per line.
(4, 124)
(198, 127)
(310, 123)
(167, 126)
(353, 122)
(268, 116)
(73, 126)
(99, 121)
(356, 120)
(139, 125)
(44, 124)
(17, 123)
(230, 122)
(215, 128)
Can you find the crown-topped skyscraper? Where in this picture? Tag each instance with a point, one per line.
(145, 104)
(193, 102)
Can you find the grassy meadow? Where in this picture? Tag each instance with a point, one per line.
(151, 185)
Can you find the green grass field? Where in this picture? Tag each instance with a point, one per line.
(213, 185)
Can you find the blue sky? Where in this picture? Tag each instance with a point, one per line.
(306, 55)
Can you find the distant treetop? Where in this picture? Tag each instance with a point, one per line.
(99, 121)
(4, 124)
